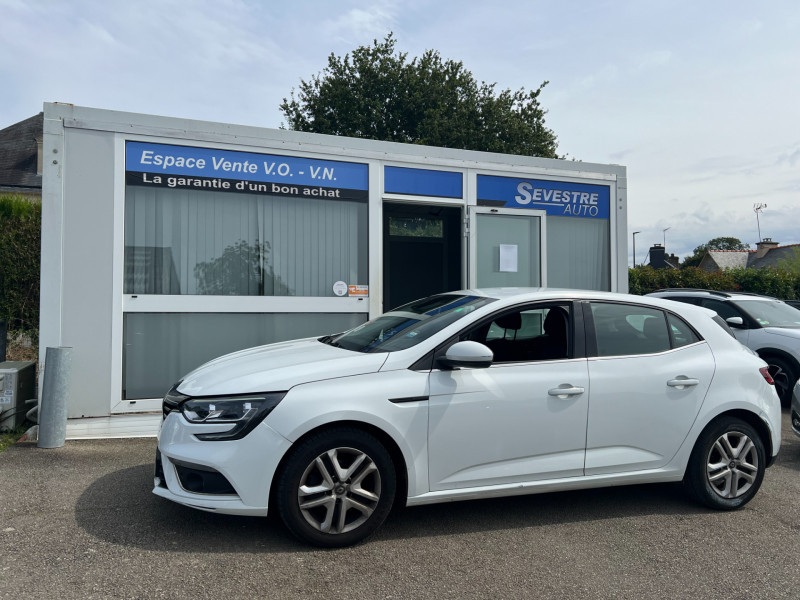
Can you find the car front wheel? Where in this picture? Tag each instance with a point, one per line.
(336, 487)
(727, 465)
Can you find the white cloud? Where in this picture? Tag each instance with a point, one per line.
(698, 100)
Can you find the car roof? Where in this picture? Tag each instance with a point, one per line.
(701, 293)
(514, 295)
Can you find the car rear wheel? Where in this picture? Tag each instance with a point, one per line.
(336, 487)
(784, 376)
(727, 465)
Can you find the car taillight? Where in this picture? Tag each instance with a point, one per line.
(765, 372)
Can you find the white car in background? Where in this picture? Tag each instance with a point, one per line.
(768, 326)
(471, 394)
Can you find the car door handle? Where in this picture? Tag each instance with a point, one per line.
(681, 382)
(565, 390)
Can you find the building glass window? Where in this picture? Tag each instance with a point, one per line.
(200, 242)
(578, 253)
(162, 347)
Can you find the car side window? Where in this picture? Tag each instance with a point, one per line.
(624, 329)
(723, 309)
(682, 334)
(540, 332)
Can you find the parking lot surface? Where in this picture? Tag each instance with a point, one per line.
(81, 522)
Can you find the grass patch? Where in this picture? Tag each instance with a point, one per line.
(9, 437)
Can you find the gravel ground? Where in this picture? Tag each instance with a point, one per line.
(81, 522)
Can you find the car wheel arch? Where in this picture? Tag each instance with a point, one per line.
(765, 353)
(768, 354)
(388, 442)
(752, 419)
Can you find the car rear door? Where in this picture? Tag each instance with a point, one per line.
(649, 373)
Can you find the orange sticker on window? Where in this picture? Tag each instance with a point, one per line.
(358, 290)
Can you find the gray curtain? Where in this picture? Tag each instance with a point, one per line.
(578, 253)
(222, 243)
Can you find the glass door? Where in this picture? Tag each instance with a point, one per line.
(506, 247)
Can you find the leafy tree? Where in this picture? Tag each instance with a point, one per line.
(20, 243)
(719, 243)
(376, 93)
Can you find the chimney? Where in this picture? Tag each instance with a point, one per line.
(765, 246)
(657, 256)
(673, 260)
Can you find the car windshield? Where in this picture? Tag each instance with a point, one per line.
(408, 325)
(771, 313)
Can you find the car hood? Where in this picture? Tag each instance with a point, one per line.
(277, 367)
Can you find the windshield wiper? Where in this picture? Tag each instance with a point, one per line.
(328, 339)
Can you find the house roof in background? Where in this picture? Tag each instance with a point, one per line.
(772, 257)
(729, 259)
(19, 154)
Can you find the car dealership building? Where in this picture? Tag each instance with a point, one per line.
(167, 242)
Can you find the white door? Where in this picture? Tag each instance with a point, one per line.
(506, 247)
(648, 384)
(523, 418)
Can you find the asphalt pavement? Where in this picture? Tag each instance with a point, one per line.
(81, 522)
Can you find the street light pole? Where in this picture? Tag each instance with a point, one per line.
(664, 231)
(634, 248)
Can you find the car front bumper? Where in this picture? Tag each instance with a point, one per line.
(229, 477)
(795, 409)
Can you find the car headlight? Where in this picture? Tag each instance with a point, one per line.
(243, 412)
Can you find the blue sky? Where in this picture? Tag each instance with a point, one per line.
(697, 99)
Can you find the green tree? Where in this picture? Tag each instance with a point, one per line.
(719, 243)
(374, 92)
(20, 242)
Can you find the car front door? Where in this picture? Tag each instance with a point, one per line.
(649, 376)
(523, 418)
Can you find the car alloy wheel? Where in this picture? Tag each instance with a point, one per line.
(732, 465)
(727, 464)
(336, 487)
(339, 490)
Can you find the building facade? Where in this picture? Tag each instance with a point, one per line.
(168, 242)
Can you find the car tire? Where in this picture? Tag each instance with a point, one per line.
(336, 487)
(784, 375)
(727, 465)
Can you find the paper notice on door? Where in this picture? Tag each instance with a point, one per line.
(508, 258)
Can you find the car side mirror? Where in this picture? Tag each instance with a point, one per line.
(467, 354)
(735, 322)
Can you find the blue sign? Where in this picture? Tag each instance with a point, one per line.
(187, 167)
(561, 198)
(422, 182)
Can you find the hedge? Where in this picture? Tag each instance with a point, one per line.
(20, 253)
(780, 283)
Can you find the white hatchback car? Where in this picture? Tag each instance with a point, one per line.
(468, 395)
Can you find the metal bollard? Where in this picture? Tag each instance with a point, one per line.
(55, 393)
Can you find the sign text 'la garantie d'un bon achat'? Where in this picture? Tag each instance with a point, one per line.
(186, 167)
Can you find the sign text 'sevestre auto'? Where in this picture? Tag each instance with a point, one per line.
(558, 198)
